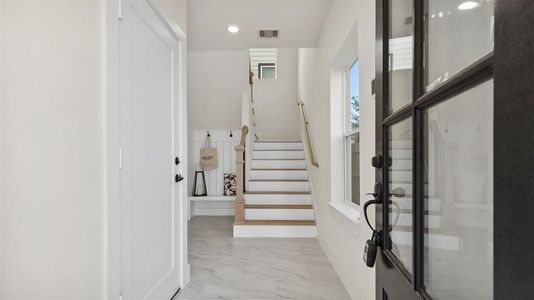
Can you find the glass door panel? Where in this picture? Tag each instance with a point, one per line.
(459, 196)
(458, 33)
(400, 191)
(400, 54)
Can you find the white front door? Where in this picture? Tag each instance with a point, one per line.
(149, 216)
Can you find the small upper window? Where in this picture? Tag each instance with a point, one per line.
(263, 62)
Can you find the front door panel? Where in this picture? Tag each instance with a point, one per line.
(435, 132)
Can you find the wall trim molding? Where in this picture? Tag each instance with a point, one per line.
(212, 212)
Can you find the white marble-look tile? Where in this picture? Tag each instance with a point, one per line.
(223, 267)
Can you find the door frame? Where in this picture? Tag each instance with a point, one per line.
(513, 142)
(111, 148)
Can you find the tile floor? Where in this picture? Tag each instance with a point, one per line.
(256, 269)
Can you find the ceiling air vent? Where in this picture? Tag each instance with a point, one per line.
(268, 34)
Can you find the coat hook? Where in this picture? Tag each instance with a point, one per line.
(231, 134)
(209, 133)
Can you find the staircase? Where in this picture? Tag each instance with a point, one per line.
(401, 210)
(278, 201)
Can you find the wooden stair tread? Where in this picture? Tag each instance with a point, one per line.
(276, 193)
(280, 222)
(279, 180)
(279, 206)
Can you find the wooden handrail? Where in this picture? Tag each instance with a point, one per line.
(240, 181)
(244, 132)
(309, 143)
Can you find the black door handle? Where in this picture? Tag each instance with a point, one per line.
(178, 178)
(377, 195)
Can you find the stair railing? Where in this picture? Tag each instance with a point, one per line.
(309, 143)
(240, 181)
(252, 111)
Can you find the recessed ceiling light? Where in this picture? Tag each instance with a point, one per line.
(233, 29)
(468, 5)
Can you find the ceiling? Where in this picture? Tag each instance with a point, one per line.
(299, 21)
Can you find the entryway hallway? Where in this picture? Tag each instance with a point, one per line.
(223, 267)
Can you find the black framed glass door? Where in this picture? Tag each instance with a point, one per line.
(439, 81)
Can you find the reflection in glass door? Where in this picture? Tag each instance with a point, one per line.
(400, 192)
(459, 196)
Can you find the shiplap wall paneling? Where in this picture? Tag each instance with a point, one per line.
(220, 139)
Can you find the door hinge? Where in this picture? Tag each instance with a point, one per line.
(119, 15)
(120, 158)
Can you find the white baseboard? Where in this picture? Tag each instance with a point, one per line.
(213, 212)
(212, 206)
(274, 231)
(346, 277)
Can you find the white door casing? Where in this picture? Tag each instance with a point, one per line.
(150, 209)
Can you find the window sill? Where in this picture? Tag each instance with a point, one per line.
(348, 215)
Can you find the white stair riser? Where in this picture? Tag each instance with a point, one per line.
(278, 155)
(278, 146)
(275, 231)
(401, 164)
(438, 241)
(432, 204)
(401, 144)
(278, 164)
(283, 174)
(406, 219)
(401, 153)
(279, 186)
(278, 214)
(401, 188)
(402, 176)
(277, 199)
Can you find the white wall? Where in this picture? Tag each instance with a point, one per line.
(276, 100)
(52, 205)
(216, 81)
(342, 240)
(52, 139)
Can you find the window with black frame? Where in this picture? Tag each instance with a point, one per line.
(436, 132)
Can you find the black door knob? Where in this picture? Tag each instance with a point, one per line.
(176, 161)
(178, 178)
